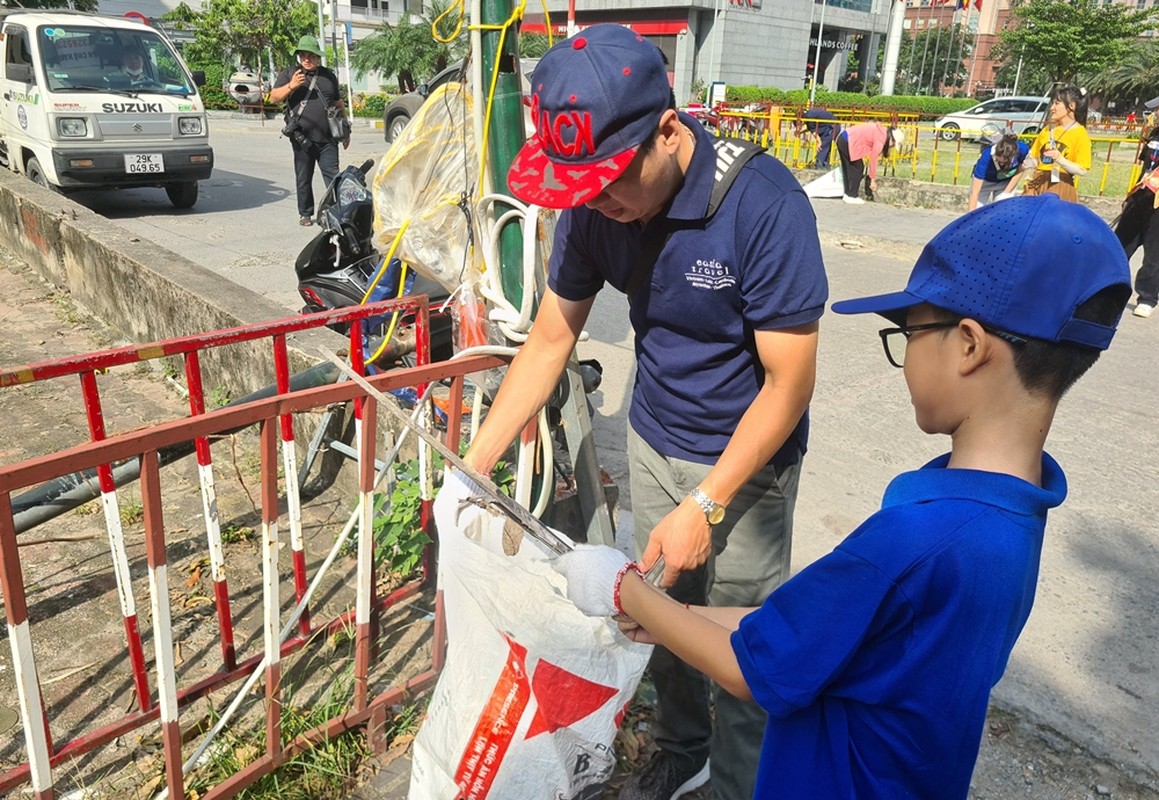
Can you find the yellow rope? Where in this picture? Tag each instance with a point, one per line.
(516, 16)
(378, 277)
(455, 6)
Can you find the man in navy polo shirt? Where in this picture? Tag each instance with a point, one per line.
(725, 312)
(875, 662)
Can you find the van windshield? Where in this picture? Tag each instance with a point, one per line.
(87, 58)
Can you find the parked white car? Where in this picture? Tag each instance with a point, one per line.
(1024, 115)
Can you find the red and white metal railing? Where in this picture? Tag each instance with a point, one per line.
(274, 415)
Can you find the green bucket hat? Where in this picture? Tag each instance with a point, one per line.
(309, 44)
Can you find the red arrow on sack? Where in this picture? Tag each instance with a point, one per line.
(564, 698)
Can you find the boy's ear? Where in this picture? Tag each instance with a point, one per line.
(976, 348)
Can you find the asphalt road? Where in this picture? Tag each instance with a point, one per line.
(1087, 665)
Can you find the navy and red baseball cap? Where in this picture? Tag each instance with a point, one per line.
(595, 98)
(1022, 265)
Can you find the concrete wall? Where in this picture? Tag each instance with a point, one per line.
(139, 290)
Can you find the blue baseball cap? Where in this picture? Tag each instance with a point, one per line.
(1021, 265)
(595, 98)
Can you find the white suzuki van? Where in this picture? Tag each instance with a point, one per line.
(92, 102)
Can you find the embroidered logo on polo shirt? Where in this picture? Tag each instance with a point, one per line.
(710, 274)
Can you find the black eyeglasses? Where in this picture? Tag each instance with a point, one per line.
(894, 339)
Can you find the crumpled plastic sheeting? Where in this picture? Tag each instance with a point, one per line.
(426, 173)
(532, 692)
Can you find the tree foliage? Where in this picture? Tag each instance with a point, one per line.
(934, 60)
(244, 30)
(533, 45)
(1132, 79)
(1031, 79)
(1064, 38)
(409, 48)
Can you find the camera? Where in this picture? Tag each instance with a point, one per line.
(292, 130)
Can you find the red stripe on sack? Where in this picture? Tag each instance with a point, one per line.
(495, 729)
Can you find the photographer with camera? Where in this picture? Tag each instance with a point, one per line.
(312, 97)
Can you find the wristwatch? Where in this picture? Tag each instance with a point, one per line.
(713, 511)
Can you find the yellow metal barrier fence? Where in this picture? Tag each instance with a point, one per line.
(925, 155)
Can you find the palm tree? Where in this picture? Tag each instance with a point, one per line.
(409, 48)
(1133, 79)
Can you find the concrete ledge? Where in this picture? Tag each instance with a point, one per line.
(911, 193)
(142, 291)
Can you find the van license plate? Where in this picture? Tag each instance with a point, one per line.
(138, 163)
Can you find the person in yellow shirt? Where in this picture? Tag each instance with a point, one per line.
(1062, 150)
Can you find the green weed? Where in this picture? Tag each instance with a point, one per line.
(322, 772)
(398, 538)
(218, 397)
(172, 367)
(235, 534)
(132, 512)
(88, 509)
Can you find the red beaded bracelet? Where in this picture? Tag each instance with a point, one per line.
(631, 565)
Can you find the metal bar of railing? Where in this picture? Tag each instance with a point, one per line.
(210, 515)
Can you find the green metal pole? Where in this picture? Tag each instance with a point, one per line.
(505, 136)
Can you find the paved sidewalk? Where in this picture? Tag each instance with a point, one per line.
(880, 221)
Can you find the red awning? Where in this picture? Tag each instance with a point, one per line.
(651, 28)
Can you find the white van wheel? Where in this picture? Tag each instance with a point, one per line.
(182, 195)
(36, 174)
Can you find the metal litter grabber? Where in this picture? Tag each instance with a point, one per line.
(549, 539)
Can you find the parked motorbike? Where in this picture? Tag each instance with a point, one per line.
(336, 267)
(335, 270)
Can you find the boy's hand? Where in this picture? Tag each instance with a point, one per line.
(593, 575)
(634, 631)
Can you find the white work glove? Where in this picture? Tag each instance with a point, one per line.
(1003, 196)
(593, 575)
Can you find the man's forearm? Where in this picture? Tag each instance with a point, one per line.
(524, 391)
(768, 421)
(975, 192)
(531, 378)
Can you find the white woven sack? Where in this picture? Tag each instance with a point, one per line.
(533, 692)
(831, 184)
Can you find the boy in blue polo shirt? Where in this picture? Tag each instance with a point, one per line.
(875, 663)
(998, 171)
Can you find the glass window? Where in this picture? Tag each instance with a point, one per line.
(84, 58)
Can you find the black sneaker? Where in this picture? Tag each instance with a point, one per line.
(664, 777)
